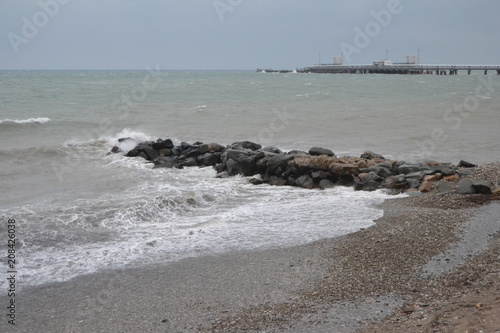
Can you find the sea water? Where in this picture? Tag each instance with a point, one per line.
(79, 210)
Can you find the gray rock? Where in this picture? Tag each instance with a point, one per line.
(413, 182)
(256, 181)
(126, 140)
(318, 175)
(276, 162)
(316, 151)
(473, 186)
(369, 155)
(209, 159)
(189, 162)
(482, 187)
(325, 183)
(233, 154)
(297, 152)
(116, 150)
(247, 165)
(465, 164)
(410, 168)
(380, 171)
(165, 162)
(371, 185)
(150, 152)
(245, 145)
(305, 181)
(210, 148)
(163, 144)
(272, 149)
(233, 168)
(373, 177)
(464, 186)
(444, 186)
(277, 181)
(222, 175)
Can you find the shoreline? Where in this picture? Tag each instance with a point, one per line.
(367, 281)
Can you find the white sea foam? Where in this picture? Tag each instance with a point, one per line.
(181, 213)
(39, 120)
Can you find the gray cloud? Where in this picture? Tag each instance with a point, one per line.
(189, 34)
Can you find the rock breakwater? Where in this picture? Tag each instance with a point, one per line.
(318, 168)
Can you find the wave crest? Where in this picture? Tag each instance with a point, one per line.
(39, 120)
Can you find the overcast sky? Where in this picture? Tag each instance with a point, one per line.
(243, 34)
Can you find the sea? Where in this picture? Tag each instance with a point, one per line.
(79, 210)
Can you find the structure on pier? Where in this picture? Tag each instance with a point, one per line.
(384, 68)
(388, 67)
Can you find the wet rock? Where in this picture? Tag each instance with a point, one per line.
(473, 186)
(116, 150)
(325, 183)
(371, 185)
(233, 168)
(165, 162)
(319, 175)
(297, 152)
(128, 139)
(381, 171)
(451, 178)
(464, 186)
(372, 177)
(210, 148)
(395, 183)
(369, 155)
(482, 187)
(189, 162)
(465, 164)
(247, 165)
(317, 151)
(163, 144)
(278, 161)
(256, 181)
(209, 159)
(425, 186)
(411, 168)
(277, 181)
(272, 149)
(245, 145)
(165, 152)
(444, 186)
(305, 181)
(222, 175)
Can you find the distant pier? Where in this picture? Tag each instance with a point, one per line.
(377, 68)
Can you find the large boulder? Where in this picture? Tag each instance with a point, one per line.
(465, 164)
(305, 181)
(210, 148)
(278, 161)
(473, 186)
(410, 168)
(369, 155)
(163, 144)
(317, 151)
(245, 145)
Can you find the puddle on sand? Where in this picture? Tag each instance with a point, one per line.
(475, 239)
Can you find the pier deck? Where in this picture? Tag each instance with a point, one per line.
(392, 69)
